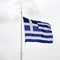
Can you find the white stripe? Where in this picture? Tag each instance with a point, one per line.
(40, 38)
(34, 32)
(36, 24)
(44, 24)
(31, 25)
(44, 28)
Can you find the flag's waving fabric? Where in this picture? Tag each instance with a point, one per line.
(37, 31)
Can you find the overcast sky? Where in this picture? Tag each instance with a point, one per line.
(10, 29)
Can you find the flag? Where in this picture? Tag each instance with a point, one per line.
(37, 31)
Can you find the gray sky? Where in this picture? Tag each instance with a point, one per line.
(9, 10)
(10, 29)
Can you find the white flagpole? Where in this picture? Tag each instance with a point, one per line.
(21, 34)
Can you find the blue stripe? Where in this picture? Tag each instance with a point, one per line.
(46, 31)
(26, 20)
(38, 35)
(36, 28)
(36, 40)
(35, 22)
(44, 26)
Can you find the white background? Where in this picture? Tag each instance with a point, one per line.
(10, 29)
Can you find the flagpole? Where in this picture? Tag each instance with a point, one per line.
(21, 34)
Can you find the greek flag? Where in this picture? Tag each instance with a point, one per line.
(37, 31)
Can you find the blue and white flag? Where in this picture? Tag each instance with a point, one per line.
(37, 31)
